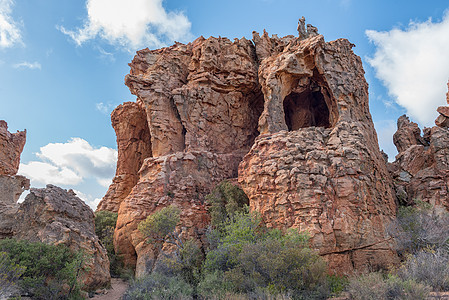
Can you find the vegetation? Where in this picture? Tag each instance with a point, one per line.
(40, 270)
(10, 273)
(244, 258)
(105, 222)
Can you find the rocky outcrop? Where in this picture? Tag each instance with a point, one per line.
(133, 143)
(421, 168)
(202, 103)
(51, 215)
(11, 146)
(11, 185)
(443, 119)
(315, 166)
(56, 216)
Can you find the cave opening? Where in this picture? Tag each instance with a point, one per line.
(310, 106)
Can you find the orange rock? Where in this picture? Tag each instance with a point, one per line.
(315, 166)
(11, 146)
(133, 142)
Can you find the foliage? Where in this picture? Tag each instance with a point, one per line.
(225, 201)
(251, 258)
(429, 267)
(105, 222)
(50, 272)
(160, 226)
(10, 273)
(375, 286)
(158, 286)
(420, 227)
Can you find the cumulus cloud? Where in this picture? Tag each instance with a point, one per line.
(28, 65)
(131, 24)
(414, 66)
(70, 163)
(9, 29)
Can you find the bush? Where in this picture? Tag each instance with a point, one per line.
(225, 201)
(428, 267)
(159, 286)
(374, 286)
(105, 222)
(252, 259)
(10, 273)
(50, 272)
(420, 227)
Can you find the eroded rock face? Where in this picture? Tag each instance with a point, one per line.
(56, 216)
(134, 145)
(420, 170)
(11, 146)
(317, 166)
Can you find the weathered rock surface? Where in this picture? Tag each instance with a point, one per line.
(317, 164)
(133, 142)
(56, 216)
(11, 146)
(182, 179)
(421, 169)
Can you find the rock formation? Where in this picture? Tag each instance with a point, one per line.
(51, 215)
(11, 146)
(316, 165)
(11, 185)
(421, 168)
(55, 216)
(133, 142)
(295, 108)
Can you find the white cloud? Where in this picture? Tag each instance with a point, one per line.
(9, 29)
(70, 163)
(105, 108)
(131, 24)
(88, 199)
(414, 66)
(28, 65)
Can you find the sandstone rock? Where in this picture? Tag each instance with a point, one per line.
(408, 134)
(133, 142)
(180, 179)
(316, 165)
(55, 216)
(11, 146)
(421, 172)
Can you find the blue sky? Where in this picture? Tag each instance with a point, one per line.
(63, 62)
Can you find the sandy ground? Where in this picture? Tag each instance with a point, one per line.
(118, 288)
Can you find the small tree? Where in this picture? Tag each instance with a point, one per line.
(160, 227)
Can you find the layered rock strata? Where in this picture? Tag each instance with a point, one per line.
(134, 145)
(316, 165)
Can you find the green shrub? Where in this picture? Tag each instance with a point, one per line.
(160, 226)
(105, 222)
(375, 286)
(420, 227)
(159, 286)
(225, 201)
(428, 267)
(10, 273)
(51, 272)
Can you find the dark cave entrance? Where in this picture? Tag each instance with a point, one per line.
(309, 106)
